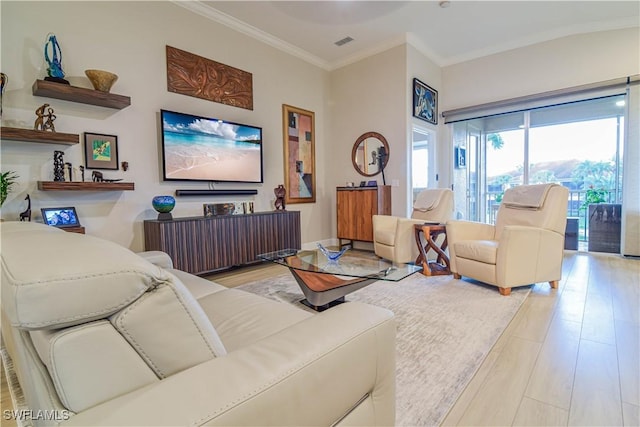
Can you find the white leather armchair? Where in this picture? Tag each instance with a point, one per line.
(524, 247)
(98, 335)
(394, 237)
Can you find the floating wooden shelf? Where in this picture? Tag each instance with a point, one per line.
(29, 135)
(80, 94)
(84, 186)
(78, 229)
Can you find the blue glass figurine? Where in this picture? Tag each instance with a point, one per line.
(55, 61)
(332, 256)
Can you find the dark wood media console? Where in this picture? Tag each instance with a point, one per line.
(202, 245)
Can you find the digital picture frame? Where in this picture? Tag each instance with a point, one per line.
(60, 217)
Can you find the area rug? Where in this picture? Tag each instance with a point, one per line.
(446, 328)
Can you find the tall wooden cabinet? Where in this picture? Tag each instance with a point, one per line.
(356, 207)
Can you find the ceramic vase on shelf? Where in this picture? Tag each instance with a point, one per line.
(164, 205)
(101, 80)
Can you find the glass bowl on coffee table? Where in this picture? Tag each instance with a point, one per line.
(325, 282)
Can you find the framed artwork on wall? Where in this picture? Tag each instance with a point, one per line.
(425, 102)
(461, 157)
(100, 151)
(298, 129)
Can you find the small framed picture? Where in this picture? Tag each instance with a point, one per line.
(60, 217)
(461, 157)
(101, 151)
(425, 102)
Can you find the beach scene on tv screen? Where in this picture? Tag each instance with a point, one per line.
(212, 150)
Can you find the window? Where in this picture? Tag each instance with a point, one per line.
(577, 144)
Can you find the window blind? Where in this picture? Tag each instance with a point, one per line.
(557, 97)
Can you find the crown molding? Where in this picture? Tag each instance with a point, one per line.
(215, 15)
(391, 43)
(419, 45)
(248, 30)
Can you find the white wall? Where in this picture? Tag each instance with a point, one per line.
(129, 39)
(557, 64)
(369, 96)
(630, 242)
(424, 69)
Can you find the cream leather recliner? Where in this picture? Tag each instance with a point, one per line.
(524, 247)
(394, 237)
(94, 334)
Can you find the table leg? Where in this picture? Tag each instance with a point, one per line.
(323, 291)
(441, 265)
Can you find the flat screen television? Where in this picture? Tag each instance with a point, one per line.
(198, 148)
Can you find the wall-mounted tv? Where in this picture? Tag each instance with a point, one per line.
(204, 149)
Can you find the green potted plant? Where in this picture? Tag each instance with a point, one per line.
(594, 196)
(7, 181)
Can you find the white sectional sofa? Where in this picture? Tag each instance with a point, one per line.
(98, 335)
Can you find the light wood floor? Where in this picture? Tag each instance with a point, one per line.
(569, 357)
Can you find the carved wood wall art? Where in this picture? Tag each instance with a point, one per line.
(193, 75)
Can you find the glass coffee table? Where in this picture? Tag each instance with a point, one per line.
(325, 283)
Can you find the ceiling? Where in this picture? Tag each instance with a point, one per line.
(462, 31)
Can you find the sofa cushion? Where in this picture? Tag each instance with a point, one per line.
(90, 364)
(478, 250)
(169, 329)
(241, 318)
(78, 278)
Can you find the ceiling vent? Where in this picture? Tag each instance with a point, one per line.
(344, 41)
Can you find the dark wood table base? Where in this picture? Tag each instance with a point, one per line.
(439, 267)
(324, 291)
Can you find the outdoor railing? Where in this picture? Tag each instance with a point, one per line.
(576, 201)
(574, 208)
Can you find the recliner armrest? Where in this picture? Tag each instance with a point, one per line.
(469, 230)
(158, 258)
(384, 222)
(313, 372)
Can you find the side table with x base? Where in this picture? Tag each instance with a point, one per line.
(439, 266)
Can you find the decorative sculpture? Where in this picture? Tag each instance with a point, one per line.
(4, 81)
(39, 123)
(54, 69)
(125, 166)
(333, 256)
(58, 166)
(68, 171)
(82, 172)
(98, 177)
(26, 214)
(48, 125)
(280, 193)
(193, 75)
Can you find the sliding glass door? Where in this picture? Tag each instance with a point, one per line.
(578, 145)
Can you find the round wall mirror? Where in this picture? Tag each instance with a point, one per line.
(366, 153)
